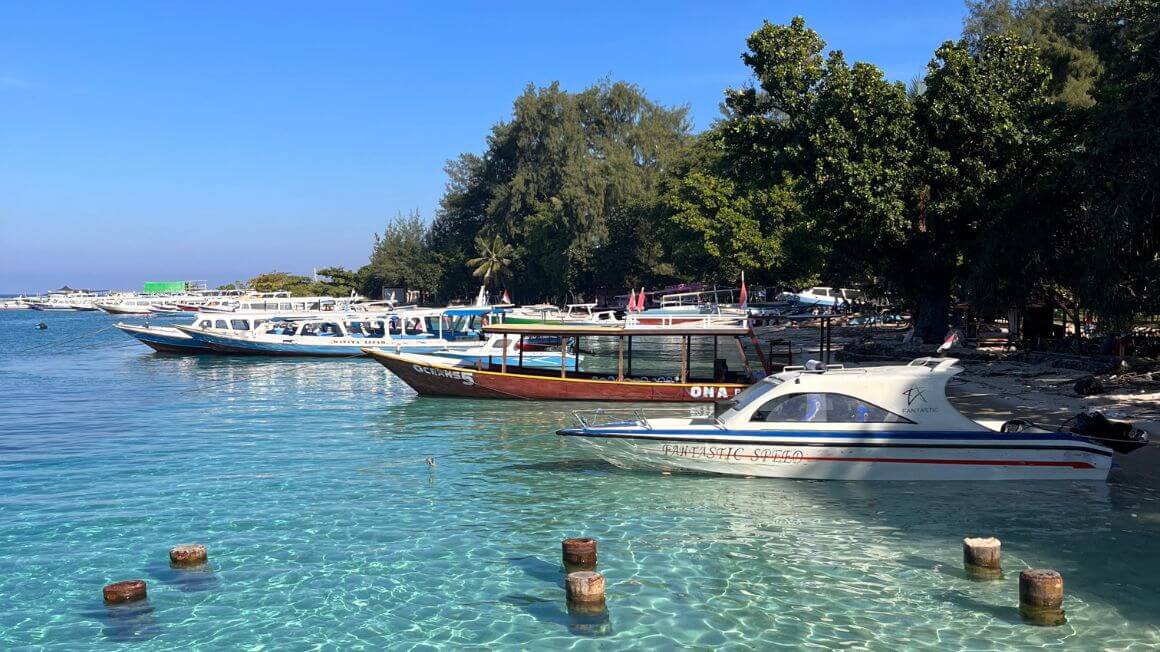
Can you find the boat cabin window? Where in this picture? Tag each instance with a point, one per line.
(283, 328)
(240, 324)
(221, 323)
(823, 408)
(322, 329)
(205, 323)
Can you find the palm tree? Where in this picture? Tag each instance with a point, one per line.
(494, 260)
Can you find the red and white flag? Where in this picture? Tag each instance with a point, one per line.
(744, 293)
(504, 298)
(631, 301)
(640, 301)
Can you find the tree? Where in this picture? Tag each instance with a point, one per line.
(1122, 163)
(554, 177)
(983, 127)
(494, 259)
(807, 174)
(1057, 29)
(401, 257)
(337, 281)
(276, 281)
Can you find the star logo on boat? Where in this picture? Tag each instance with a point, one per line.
(913, 394)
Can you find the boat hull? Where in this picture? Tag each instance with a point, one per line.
(344, 347)
(164, 340)
(433, 379)
(123, 310)
(975, 456)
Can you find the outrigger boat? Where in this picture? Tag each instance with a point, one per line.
(170, 339)
(424, 330)
(435, 375)
(878, 423)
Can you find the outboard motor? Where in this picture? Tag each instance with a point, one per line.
(1119, 436)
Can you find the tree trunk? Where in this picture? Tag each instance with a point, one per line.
(934, 305)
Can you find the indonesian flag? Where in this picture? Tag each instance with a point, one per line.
(640, 301)
(505, 298)
(631, 307)
(744, 292)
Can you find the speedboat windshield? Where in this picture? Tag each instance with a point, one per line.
(749, 395)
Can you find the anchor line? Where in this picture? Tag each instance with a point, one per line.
(68, 341)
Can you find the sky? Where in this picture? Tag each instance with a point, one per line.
(169, 140)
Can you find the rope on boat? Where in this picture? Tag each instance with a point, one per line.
(68, 341)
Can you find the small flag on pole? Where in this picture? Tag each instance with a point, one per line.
(631, 307)
(744, 293)
(505, 298)
(640, 299)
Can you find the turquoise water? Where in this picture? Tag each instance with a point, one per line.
(326, 528)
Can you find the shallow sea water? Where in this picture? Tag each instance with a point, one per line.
(326, 528)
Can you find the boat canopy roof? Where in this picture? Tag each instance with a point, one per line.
(467, 312)
(614, 331)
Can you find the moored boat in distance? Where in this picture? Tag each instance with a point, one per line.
(827, 422)
(683, 308)
(574, 314)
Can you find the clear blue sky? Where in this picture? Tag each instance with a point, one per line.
(217, 140)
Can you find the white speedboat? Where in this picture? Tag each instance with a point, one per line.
(880, 423)
(822, 296)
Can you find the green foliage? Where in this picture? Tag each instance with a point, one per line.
(1122, 166)
(401, 257)
(1057, 29)
(337, 281)
(552, 181)
(494, 259)
(276, 281)
(1022, 167)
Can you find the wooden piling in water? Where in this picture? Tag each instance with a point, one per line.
(127, 591)
(579, 554)
(584, 587)
(190, 554)
(1041, 597)
(981, 558)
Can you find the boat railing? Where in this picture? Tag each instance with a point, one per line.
(707, 320)
(598, 417)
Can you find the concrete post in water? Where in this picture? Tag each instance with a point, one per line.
(579, 554)
(981, 558)
(192, 554)
(127, 591)
(1041, 597)
(585, 587)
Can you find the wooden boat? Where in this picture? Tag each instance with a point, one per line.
(434, 375)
